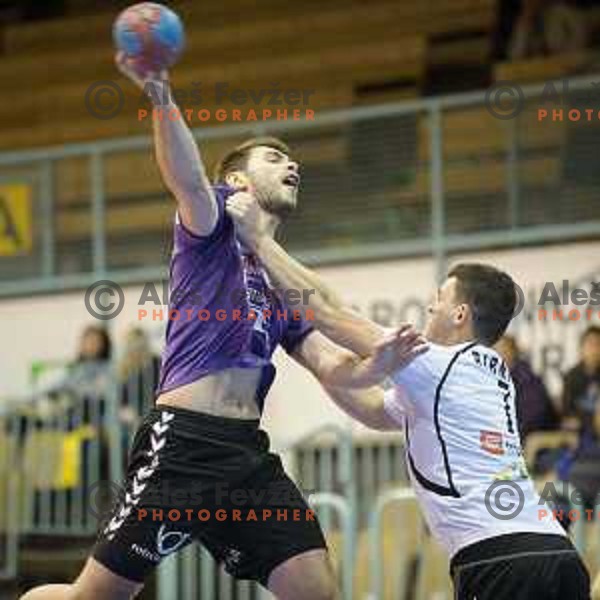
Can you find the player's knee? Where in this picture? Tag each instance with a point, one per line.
(327, 591)
(324, 587)
(305, 579)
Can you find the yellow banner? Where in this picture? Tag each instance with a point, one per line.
(15, 219)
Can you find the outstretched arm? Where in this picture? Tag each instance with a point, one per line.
(330, 315)
(176, 153)
(337, 369)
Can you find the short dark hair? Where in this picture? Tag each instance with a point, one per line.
(105, 352)
(590, 331)
(236, 159)
(491, 295)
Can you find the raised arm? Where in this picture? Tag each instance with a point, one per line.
(177, 154)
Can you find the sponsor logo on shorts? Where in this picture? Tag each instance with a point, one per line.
(232, 559)
(145, 553)
(168, 542)
(492, 442)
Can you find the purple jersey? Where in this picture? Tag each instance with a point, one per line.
(222, 312)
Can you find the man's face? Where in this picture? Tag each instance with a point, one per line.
(590, 350)
(275, 179)
(445, 313)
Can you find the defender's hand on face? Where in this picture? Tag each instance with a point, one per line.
(250, 219)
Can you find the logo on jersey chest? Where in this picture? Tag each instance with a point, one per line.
(259, 298)
(257, 291)
(492, 442)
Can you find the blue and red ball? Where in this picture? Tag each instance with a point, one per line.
(151, 34)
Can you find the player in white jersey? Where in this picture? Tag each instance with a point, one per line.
(456, 404)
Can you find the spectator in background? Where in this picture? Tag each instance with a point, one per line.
(138, 373)
(535, 409)
(545, 446)
(581, 385)
(581, 400)
(91, 369)
(94, 345)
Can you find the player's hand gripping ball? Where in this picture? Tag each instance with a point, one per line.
(149, 34)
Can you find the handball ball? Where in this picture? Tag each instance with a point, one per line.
(151, 34)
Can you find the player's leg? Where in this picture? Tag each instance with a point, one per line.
(303, 577)
(277, 539)
(114, 571)
(94, 581)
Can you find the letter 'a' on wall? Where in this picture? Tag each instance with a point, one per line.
(15, 219)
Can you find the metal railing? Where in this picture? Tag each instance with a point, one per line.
(61, 454)
(347, 518)
(62, 458)
(403, 497)
(438, 176)
(323, 461)
(9, 494)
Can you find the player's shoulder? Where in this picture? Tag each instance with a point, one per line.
(439, 359)
(480, 354)
(427, 367)
(473, 353)
(442, 355)
(187, 241)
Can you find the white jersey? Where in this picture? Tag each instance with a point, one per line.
(462, 442)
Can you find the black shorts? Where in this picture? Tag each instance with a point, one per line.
(195, 477)
(520, 566)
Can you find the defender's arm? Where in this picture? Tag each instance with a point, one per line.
(330, 364)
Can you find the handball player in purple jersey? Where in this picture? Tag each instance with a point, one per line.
(202, 440)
